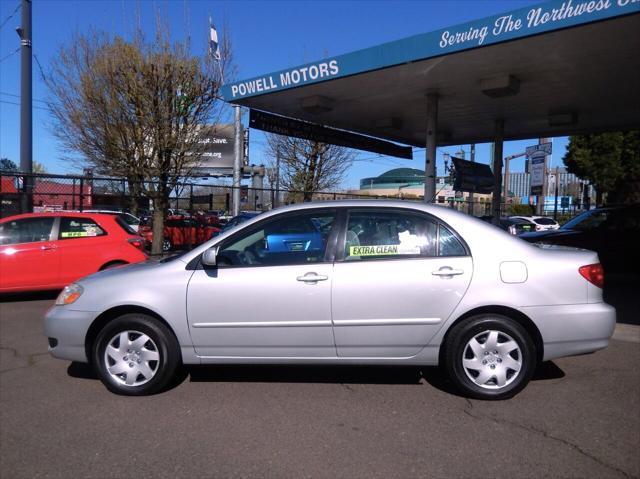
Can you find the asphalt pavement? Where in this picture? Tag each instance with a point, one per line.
(579, 417)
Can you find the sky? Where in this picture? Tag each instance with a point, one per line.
(266, 36)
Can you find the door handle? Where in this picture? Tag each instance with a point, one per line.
(447, 271)
(47, 248)
(312, 278)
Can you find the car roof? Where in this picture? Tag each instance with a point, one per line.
(55, 214)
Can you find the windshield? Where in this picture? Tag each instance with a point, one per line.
(589, 220)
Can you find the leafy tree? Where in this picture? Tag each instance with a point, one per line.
(7, 165)
(135, 109)
(307, 166)
(38, 167)
(610, 161)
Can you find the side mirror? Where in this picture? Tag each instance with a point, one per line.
(209, 256)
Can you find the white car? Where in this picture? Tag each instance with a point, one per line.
(542, 223)
(341, 282)
(131, 220)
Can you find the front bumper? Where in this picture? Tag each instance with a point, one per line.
(69, 329)
(572, 329)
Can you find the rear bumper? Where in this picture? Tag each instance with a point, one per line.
(573, 329)
(69, 328)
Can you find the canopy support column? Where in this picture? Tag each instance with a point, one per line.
(430, 153)
(497, 171)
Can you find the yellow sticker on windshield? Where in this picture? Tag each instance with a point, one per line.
(74, 234)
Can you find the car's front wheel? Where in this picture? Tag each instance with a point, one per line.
(136, 355)
(489, 357)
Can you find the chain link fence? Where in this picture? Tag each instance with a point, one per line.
(22, 193)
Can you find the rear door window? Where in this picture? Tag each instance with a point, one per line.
(72, 228)
(375, 235)
(28, 230)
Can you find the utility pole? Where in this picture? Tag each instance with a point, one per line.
(26, 124)
(472, 157)
(237, 161)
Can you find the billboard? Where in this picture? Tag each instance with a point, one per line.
(217, 143)
(472, 177)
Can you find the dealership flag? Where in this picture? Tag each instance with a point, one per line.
(213, 41)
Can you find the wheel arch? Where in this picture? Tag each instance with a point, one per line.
(109, 315)
(115, 262)
(511, 313)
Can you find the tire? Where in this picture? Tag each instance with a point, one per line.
(166, 245)
(489, 357)
(147, 363)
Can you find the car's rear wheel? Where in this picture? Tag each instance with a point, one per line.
(166, 245)
(489, 357)
(136, 355)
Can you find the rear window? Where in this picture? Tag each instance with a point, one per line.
(124, 225)
(545, 221)
(73, 228)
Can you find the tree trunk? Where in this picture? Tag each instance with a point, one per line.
(160, 205)
(598, 197)
(310, 178)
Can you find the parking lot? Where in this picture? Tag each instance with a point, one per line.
(580, 417)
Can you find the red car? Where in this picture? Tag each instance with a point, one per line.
(180, 232)
(40, 251)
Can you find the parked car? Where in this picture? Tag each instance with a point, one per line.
(130, 219)
(209, 218)
(514, 226)
(41, 251)
(180, 232)
(391, 283)
(541, 223)
(612, 232)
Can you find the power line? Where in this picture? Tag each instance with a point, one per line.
(44, 78)
(18, 104)
(18, 96)
(11, 16)
(12, 53)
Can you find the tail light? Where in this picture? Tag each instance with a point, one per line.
(594, 273)
(137, 243)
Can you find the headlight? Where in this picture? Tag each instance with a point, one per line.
(69, 294)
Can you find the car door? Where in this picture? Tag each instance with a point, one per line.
(270, 294)
(399, 275)
(82, 244)
(28, 257)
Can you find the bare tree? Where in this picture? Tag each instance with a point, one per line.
(308, 166)
(136, 109)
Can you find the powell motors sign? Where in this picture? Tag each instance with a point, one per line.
(528, 21)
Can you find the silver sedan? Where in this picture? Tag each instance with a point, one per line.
(346, 282)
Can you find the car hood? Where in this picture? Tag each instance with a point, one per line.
(122, 270)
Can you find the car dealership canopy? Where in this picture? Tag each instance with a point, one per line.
(557, 68)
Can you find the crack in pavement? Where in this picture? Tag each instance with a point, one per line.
(468, 411)
(31, 359)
